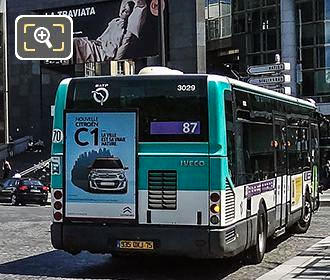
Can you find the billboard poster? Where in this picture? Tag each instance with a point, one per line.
(100, 165)
(113, 30)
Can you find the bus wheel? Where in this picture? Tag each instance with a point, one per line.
(303, 224)
(257, 252)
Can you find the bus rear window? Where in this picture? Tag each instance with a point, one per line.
(170, 108)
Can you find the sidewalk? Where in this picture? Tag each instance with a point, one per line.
(312, 264)
(325, 198)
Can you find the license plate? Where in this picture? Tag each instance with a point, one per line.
(108, 184)
(135, 245)
(35, 191)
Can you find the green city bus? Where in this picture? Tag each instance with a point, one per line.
(167, 163)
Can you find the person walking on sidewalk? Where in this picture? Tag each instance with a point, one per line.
(6, 169)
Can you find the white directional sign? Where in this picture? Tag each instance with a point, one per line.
(270, 80)
(284, 90)
(268, 68)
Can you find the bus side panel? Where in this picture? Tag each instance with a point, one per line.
(217, 121)
(233, 207)
(57, 143)
(57, 160)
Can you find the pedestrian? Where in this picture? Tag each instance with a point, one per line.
(17, 174)
(6, 169)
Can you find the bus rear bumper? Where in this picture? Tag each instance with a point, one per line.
(180, 241)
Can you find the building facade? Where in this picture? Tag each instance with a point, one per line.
(3, 88)
(298, 30)
(32, 84)
(213, 36)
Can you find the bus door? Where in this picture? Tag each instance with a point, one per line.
(315, 158)
(280, 163)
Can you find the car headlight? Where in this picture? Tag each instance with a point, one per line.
(121, 176)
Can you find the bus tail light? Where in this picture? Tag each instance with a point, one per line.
(57, 205)
(215, 208)
(58, 216)
(58, 194)
(214, 220)
(215, 197)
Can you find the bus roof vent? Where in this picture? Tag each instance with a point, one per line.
(159, 70)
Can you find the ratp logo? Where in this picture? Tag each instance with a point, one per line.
(101, 93)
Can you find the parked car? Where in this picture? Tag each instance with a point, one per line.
(23, 190)
(107, 175)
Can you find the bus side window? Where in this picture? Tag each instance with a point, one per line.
(254, 135)
(298, 150)
(258, 152)
(230, 133)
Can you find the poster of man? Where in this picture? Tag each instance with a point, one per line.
(113, 30)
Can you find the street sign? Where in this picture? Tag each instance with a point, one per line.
(271, 80)
(284, 90)
(268, 68)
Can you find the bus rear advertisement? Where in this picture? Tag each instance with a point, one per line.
(191, 165)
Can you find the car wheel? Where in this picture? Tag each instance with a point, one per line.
(43, 202)
(14, 200)
(257, 252)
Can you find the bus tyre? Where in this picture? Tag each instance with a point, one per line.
(303, 224)
(257, 252)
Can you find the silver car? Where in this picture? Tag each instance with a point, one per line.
(107, 175)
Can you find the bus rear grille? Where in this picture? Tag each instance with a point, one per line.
(230, 203)
(230, 236)
(162, 189)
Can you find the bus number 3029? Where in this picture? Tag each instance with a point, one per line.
(186, 88)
